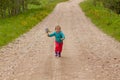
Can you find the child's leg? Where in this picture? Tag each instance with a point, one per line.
(56, 48)
(59, 54)
(60, 49)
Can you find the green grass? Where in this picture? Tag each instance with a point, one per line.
(105, 19)
(12, 28)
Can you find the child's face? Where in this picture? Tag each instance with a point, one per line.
(57, 30)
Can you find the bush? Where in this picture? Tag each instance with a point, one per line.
(111, 4)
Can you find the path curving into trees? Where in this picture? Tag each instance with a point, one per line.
(88, 53)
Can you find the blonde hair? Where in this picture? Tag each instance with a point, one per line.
(58, 26)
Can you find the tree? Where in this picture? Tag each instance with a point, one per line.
(12, 7)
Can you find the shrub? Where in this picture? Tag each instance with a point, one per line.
(111, 4)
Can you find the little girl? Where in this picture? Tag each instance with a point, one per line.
(59, 37)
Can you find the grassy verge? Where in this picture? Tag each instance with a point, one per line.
(105, 19)
(11, 28)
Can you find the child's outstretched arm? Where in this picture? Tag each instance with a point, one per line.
(51, 35)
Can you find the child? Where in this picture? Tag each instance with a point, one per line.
(59, 37)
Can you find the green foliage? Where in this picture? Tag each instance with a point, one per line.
(111, 4)
(12, 7)
(104, 18)
(35, 2)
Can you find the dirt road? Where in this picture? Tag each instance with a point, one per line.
(88, 53)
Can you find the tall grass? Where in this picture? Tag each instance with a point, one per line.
(11, 28)
(105, 19)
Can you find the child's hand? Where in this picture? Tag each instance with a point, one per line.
(62, 38)
(47, 30)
